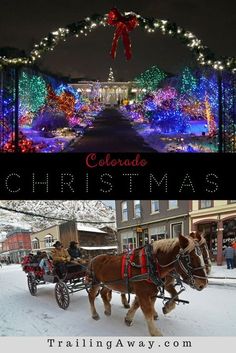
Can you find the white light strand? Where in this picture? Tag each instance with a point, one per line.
(195, 44)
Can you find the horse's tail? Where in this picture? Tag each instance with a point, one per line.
(90, 276)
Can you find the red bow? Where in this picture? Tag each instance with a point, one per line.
(124, 25)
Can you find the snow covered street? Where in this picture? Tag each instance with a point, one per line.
(210, 312)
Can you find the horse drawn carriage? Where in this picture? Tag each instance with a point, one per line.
(146, 273)
(72, 281)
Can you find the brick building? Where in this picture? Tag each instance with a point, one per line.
(140, 221)
(16, 245)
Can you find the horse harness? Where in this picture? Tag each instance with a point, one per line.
(150, 268)
(184, 261)
(148, 265)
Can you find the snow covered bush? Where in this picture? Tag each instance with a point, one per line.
(50, 119)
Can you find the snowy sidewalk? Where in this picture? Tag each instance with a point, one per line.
(220, 275)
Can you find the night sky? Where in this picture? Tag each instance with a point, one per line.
(25, 22)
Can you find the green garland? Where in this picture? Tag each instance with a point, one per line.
(202, 53)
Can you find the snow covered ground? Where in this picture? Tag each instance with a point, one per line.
(210, 312)
(174, 142)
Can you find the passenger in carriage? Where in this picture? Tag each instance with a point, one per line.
(36, 258)
(27, 260)
(45, 263)
(74, 251)
(75, 254)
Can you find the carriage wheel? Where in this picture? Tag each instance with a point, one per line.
(32, 285)
(62, 295)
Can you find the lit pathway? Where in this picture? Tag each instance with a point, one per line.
(111, 132)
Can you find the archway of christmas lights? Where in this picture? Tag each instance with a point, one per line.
(203, 54)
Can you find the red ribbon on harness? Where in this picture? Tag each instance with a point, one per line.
(124, 24)
(143, 263)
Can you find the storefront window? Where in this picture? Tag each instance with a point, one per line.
(157, 232)
(229, 233)
(128, 243)
(210, 231)
(176, 229)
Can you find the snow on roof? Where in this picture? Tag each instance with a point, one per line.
(99, 247)
(89, 229)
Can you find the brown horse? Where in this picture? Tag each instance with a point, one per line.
(169, 283)
(168, 253)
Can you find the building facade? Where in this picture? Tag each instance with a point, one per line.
(217, 218)
(92, 241)
(141, 221)
(16, 245)
(109, 93)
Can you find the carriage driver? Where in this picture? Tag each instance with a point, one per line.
(60, 258)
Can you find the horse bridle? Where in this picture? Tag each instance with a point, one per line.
(202, 244)
(183, 259)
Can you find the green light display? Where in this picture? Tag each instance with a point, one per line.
(150, 79)
(188, 81)
(32, 92)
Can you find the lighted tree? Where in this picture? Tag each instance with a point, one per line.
(211, 124)
(188, 81)
(208, 86)
(150, 79)
(65, 102)
(164, 95)
(170, 120)
(111, 77)
(32, 92)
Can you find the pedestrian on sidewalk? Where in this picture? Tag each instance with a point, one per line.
(234, 247)
(229, 256)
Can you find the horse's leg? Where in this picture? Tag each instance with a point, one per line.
(146, 304)
(124, 301)
(106, 297)
(130, 314)
(169, 287)
(92, 295)
(155, 315)
(134, 307)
